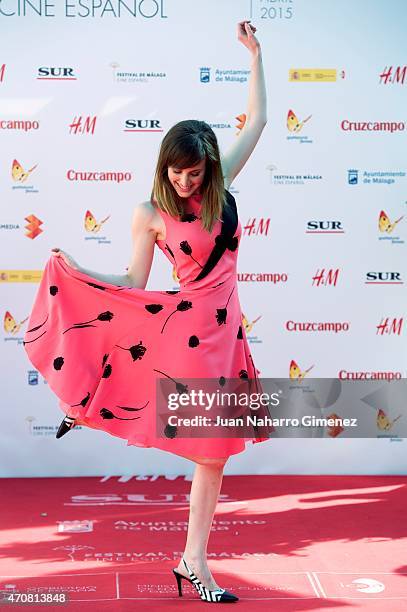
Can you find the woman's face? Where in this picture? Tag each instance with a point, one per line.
(187, 181)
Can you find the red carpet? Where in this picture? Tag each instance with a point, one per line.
(278, 542)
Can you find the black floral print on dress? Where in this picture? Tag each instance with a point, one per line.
(170, 431)
(187, 249)
(227, 243)
(83, 402)
(153, 308)
(180, 387)
(96, 286)
(107, 372)
(189, 217)
(103, 316)
(181, 307)
(33, 329)
(221, 313)
(136, 351)
(34, 339)
(105, 413)
(170, 251)
(58, 363)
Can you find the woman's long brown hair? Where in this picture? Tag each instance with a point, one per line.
(184, 146)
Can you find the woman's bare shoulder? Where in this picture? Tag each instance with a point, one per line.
(145, 214)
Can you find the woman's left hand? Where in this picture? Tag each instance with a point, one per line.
(245, 33)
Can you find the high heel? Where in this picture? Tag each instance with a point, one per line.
(66, 425)
(215, 596)
(179, 576)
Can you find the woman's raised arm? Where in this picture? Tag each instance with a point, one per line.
(256, 116)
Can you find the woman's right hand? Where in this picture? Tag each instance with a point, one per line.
(66, 257)
(246, 35)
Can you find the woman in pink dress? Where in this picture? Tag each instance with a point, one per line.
(103, 342)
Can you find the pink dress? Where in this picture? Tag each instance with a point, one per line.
(102, 348)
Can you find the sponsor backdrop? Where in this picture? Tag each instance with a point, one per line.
(87, 91)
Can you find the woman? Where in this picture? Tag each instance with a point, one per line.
(193, 220)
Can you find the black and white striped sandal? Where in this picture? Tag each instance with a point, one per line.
(215, 596)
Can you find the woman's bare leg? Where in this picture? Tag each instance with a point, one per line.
(205, 490)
